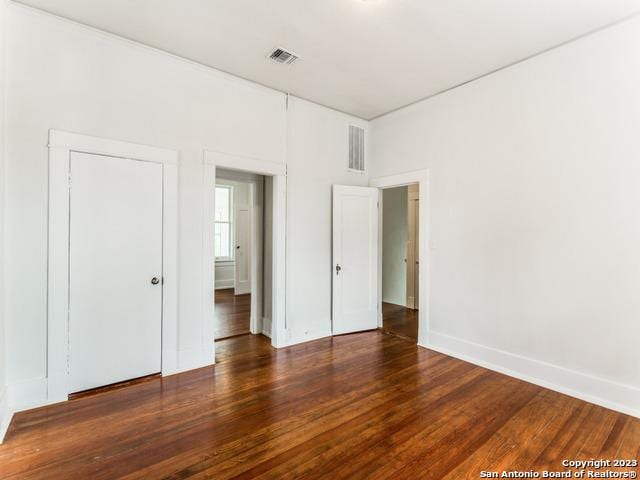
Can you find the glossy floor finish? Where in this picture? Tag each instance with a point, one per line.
(361, 406)
(399, 320)
(232, 314)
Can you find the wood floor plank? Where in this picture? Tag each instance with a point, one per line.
(232, 314)
(521, 440)
(440, 427)
(400, 320)
(367, 405)
(365, 421)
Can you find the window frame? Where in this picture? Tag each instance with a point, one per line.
(229, 222)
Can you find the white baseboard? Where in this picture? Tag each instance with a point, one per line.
(608, 394)
(38, 393)
(265, 332)
(193, 358)
(28, 394)
(208, 353)
(5, 413)
(296, 338)
(24, 396)
(225, 285)
(402, 303)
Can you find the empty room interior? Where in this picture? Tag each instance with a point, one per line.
(300, 239)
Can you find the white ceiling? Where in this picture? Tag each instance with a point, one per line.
(362, 57)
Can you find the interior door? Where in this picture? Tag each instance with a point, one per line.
(355, 258)
(413, 215)
(243, 250)
(115, 270)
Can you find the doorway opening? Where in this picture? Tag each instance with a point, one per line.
(400, 261)
(243, 204)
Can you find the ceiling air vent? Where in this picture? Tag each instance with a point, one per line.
(356, 148)
(285, 57)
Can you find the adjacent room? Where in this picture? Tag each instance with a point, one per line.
(400, 260)
(298, 239)
(242, 218)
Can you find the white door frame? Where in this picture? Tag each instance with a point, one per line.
(61, 144)
(256, 254)
(212, 160)
(420, 177)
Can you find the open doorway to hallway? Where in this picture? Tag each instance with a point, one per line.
(400, 261)
(243, 256)
(234, 207)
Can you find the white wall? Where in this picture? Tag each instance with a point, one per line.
(68, 77)
(4, 411)
(225, 270)
(395, 233)
(534, 215)
(317, 157)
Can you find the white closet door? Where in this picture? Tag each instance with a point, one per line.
(115, 270)
(355, 258)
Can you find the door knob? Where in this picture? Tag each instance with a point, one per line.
(338, 268)
(155, 281)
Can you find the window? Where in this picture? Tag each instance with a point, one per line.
(224, 223)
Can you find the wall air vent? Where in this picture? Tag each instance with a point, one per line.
(285, 57)
(356, 148)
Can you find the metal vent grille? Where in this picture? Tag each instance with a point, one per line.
(356, 148)
(280, 55)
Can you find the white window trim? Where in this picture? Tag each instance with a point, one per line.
(232, 237)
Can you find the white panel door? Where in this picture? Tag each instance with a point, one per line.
(243, 250)
(413, 242)
(355, 258)
(115, 270)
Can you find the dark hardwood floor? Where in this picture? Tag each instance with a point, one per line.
(399, 320)
(232, 314)
(361, 406)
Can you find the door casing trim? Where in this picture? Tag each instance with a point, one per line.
(420, 177)
(61, 144)
(210, 161)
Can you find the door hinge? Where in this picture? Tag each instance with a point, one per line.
(69, 179)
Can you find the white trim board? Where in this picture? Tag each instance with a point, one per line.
(615, 396)
(298, 338)
(61, 144)
(264, 330)
(5, 413)
(240, 163)
(210, 162)
(421, 177)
